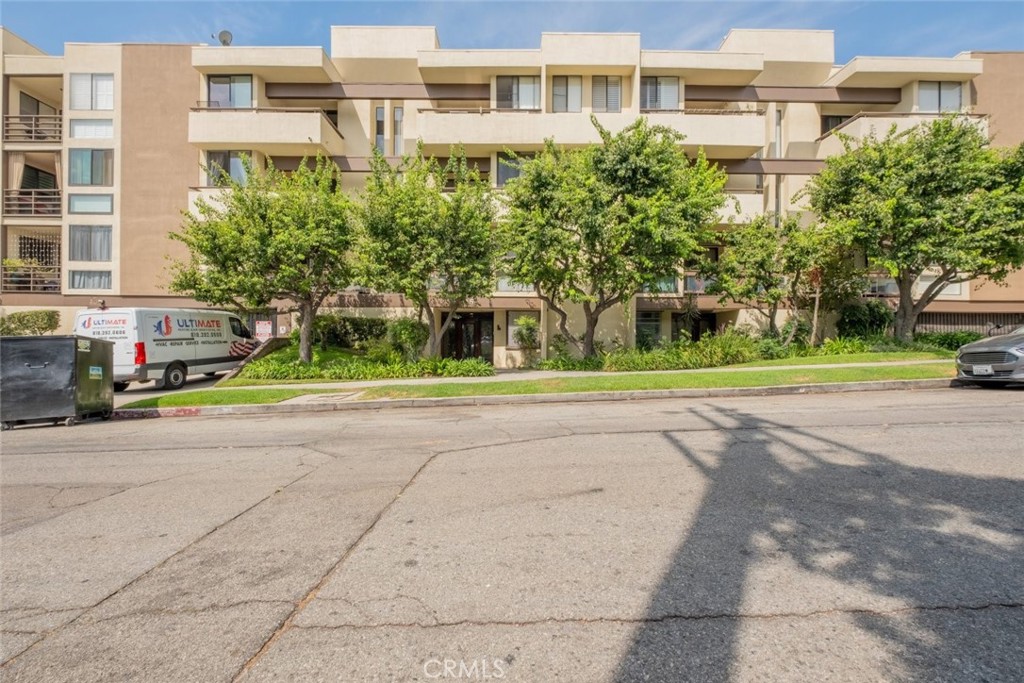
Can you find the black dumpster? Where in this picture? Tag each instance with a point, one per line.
(55, 379)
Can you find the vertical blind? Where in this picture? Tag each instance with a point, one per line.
(606, 93)
(92, 91)
(567, 93)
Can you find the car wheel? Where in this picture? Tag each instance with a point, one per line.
(175, 376)
(120, 386)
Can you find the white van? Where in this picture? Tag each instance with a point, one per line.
(166, 345)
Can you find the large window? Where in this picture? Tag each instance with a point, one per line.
(90, 203)
(606, 93)
(648, 329)
(398, 114)
(518, 92)
(37, 179)
(378, 130)
(92, 92)
(90, 243)
(939, 96)
(222, 165)
(512, 326)
(89, 279)
(92, 129)
(91, 167)
(508, 167)
(30, 106)
(567, 93)
(659, 92)
(230, 92)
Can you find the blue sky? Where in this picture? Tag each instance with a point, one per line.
(865, 27)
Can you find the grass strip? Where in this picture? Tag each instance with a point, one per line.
(222, 397)
(695, 380)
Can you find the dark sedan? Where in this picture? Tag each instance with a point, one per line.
(994, 361)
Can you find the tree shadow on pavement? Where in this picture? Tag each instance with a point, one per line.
(923, 562)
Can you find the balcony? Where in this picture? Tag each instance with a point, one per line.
(722, 133)
(46, 129)
(879, 123)
(30, 279)
(291, 131)
(38, 203)
(741, 206)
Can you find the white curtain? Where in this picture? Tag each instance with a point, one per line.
(57, 168)
(17, 170)
(90, 243)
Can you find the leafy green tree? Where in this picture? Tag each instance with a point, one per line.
(277, 236)
(931, 199)
(595, 225)
(438, 248)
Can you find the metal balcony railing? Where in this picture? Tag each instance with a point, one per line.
(32, 202)
(32, 279)
(32, 128)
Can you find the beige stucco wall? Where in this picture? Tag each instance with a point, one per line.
(998, 93)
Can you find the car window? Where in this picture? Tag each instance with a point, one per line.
(236, 327)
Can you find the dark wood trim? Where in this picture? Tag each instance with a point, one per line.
(763, 93)
(770, 166)
(362, 164)
(378, 91)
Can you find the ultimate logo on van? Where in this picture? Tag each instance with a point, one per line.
(164, 328)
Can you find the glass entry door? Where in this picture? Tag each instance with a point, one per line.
(471, 335)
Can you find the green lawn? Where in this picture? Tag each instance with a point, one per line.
(694, 380)
(222, 397)
(870, 357)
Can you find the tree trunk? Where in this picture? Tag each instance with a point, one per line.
(306, 315)
(434, 339)
(773, 326)
(906, 316)
(588, 336)
(814, 316)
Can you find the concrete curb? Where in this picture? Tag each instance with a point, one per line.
(532, 399)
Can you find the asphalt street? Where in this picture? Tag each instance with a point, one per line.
(847, 537)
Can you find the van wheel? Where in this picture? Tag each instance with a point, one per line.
(175, 376)
(120, 386)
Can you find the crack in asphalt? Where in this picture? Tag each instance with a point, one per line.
(46, 634)
(214, 607)
(666, 618)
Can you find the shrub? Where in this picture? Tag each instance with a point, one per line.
(24, 323)
(527, 332)
(802, 336)
(381, 351)
(771, 348)
(592, 364)
(725, 348)
(282, 366)
(843, 345)
(864, 318)
(948, 340)
(334, 329)
(408, 336)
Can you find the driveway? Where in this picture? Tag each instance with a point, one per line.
(829, 537)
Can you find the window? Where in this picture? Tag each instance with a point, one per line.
(229, 92)
(518, 92)
(664, 285)
(513, 316)
(92, 91)
(30, 106)
(92, 129)
(694, 284)
(89, 279)
(90, 243)
(883, 287)
(398, 115)
(925, 281)
(236, 327)
(505, 284)
(939, 96)
(567, 93)
(378, 130)
(606, 93)
(220, 166)
(91, 167)
(648, 329)
(830, 121)
(659, 92)
(90, 203)
(37, 179)
(508, 167)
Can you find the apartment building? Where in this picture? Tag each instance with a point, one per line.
(104, 146)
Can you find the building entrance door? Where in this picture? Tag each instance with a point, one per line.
(471, 335)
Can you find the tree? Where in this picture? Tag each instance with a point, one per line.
(931, 199)
(596, 225)
(31, 323)
(437, 248)
(277, 236)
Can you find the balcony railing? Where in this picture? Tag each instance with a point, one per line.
(32, 279)
(32, 128)
(32, 203)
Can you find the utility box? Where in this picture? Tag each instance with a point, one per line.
(55, 379)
